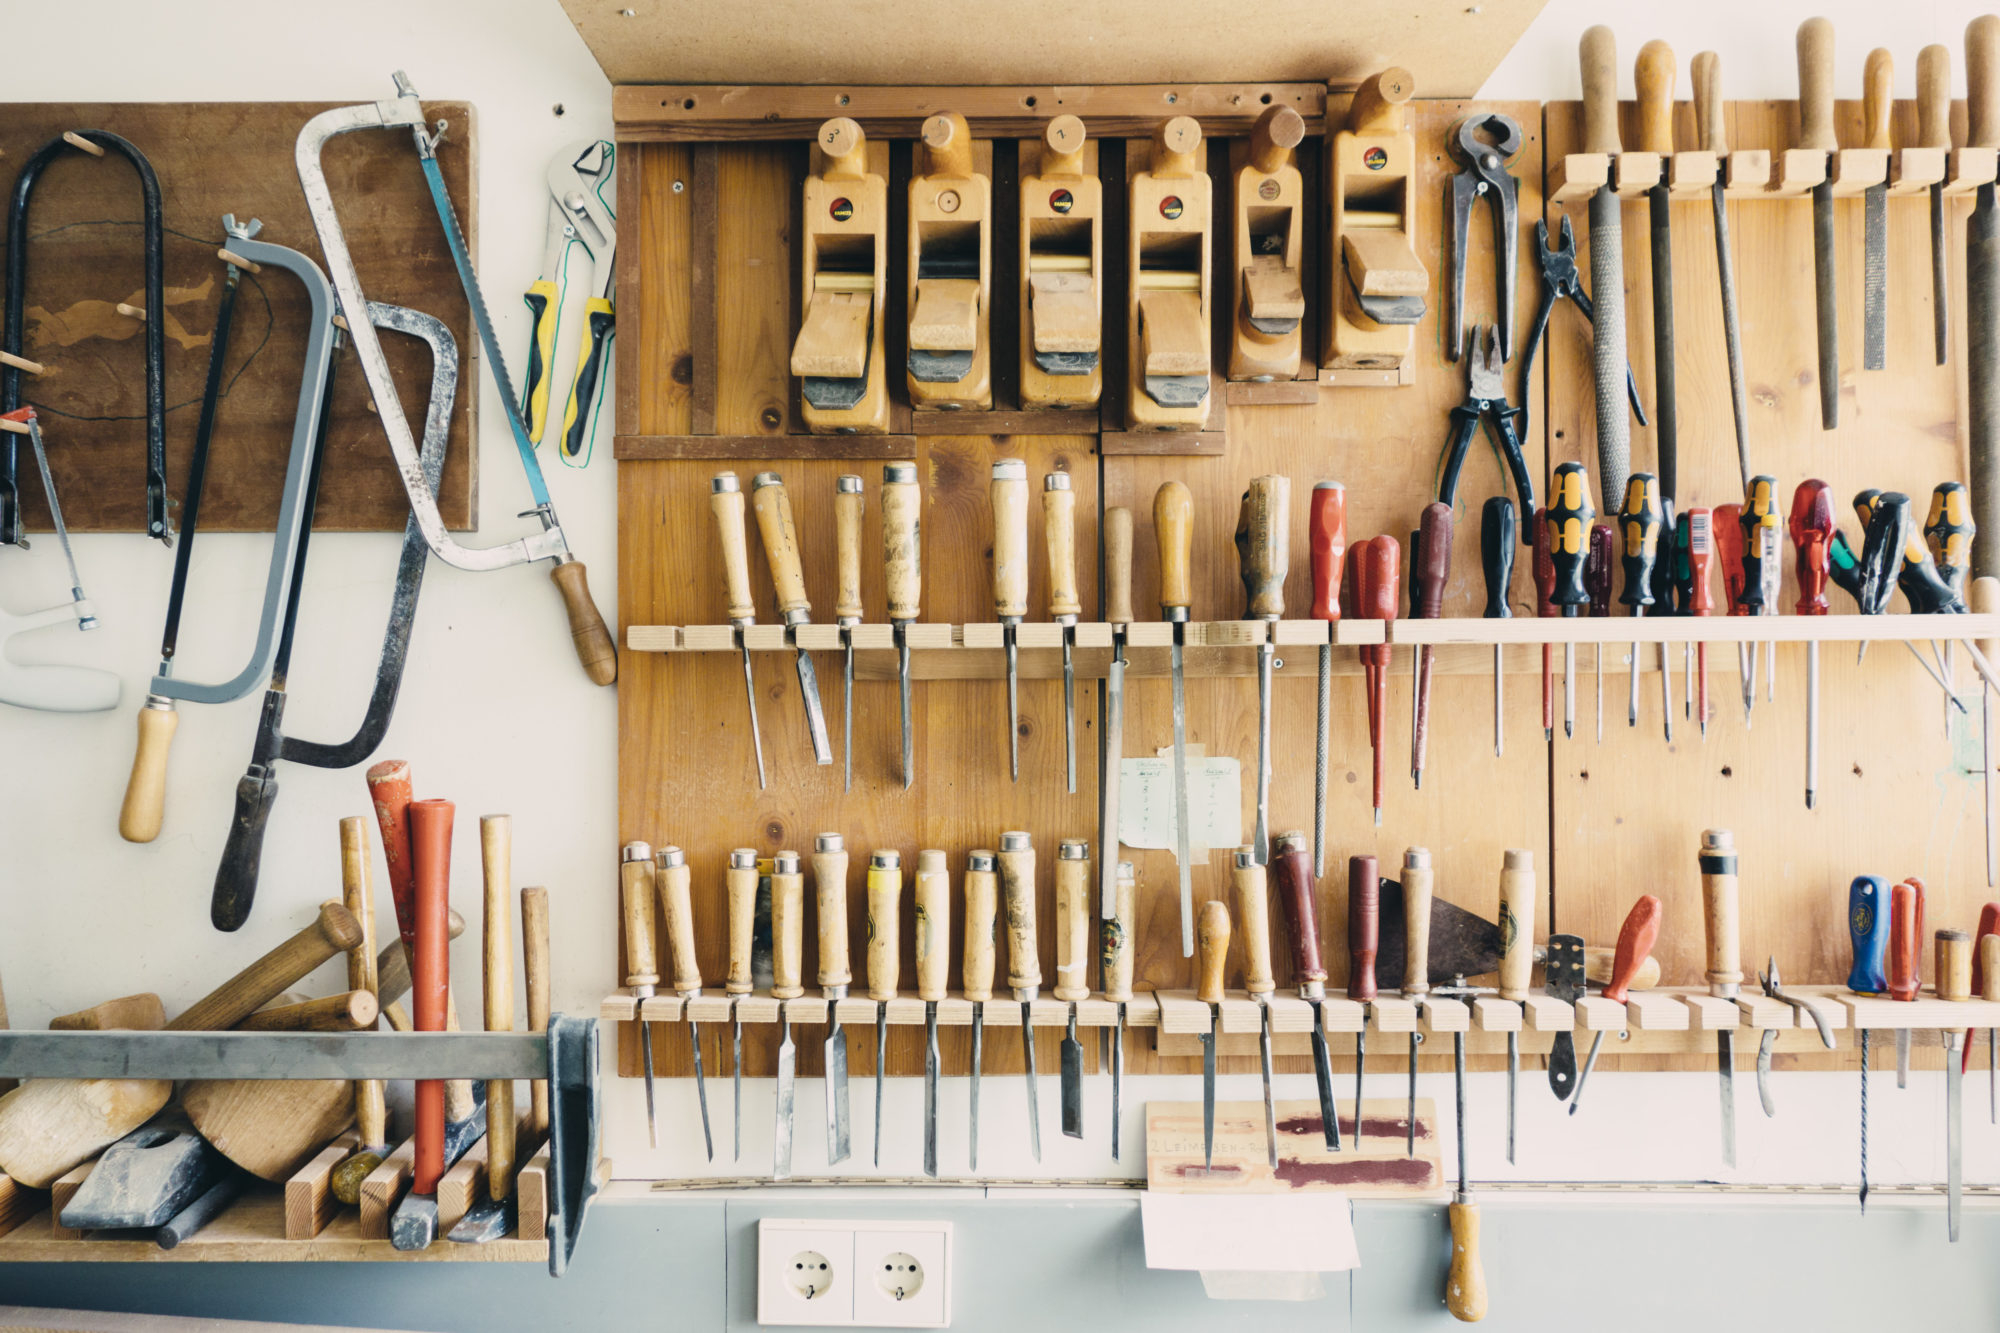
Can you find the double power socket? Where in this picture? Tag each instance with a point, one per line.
(829, 1274)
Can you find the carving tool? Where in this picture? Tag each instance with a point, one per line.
(1563, 978)
(1816, 135)
(1115, 962)
(1248, 883)
(1568, 519)
(1635, 944)
(1417, 882)
(847, 507)
(642, 968)
(1214, 956)
(671, 883)
(1173, 532)
(1868, 932)
(1363, 938)
(981, 903)
(1934, 131)
(1375, 596)
(829, 864)
(1024, 967)
(885, 896)
(1298, 899)
(1327, 542)
(1263, 555)
(1721, 917)
(1812, 533)
(1465, 1285)
(1598, 55)
(1954, 985)
(788, 891)
(582, 183)
(1773, 986)
(1059, 530)
(781, 552)
(933, 904)
(725, 501)
(1878, 95)
(1705, 72)
(1639, 523)
(1431, 552)
(1517, 946)
(1072, 968)
(1597, 585)
(1545, 590)
(1906, 942)
(1496, 559)
(1010, 584)
(1653, 84)
(740, 887)
(902, 558)
(1117, 531)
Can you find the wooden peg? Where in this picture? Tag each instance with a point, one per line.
(22, 363)
(1212, 932)
(231, 257)
(1378, 103)
(75, 140)
(1954, 965)
(131, 311)
(10, 426)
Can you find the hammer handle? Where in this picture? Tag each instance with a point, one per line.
(430, 971)
(389, 787)
(334, 931)
(496, 859)
(535, 971)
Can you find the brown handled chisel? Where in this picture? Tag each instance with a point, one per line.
(1024, 967)
(671, 882)
(1298, 899)
(829, 863)
(1363, 938)
(1072, 969)
(1247, 881)
(740, 889)
(781, 552)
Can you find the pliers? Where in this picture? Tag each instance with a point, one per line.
(582, 212)
(1485, 144)
(1560, 279)
(1486, 397)
(1772, 987)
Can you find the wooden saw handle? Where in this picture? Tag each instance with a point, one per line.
(1815, 43)
(981, 900)
(829, 864)
(594, 646)
(847, 507)
(1073, 920)
(1059, 533)
(1252, 899)
(1517, 922)
(933, 903)
(1705, 74)
(1597, 56)
(902, 543)
(1010, 537)
(1017, 891)
(145, 804)
(1653, 84)
(1118, 565)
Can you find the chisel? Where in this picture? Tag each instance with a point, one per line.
(981, 902)
(1598, 55)
(1072, 968)
(788, 890)
(1298, 899)
(1059, 533)
(781, 552)
(642, 968)
(1639, 522)
(847, 507)
(1597, 583)
(1816, 135)
(740, 886)
(1812, 535)
(1568, 520)
(902, 557)
(1726, 531)
(1417, 889)
(1877, 101)
(1263, 555)
(1706, 74)
(1725, 972)
(1906, 937)
(1327, 540)
(1214, 955)
(1431, 553)
(1635, 944)
(1115, 963)
(1173, 532)
(672, 884)
(1117, 531)
(1653, 86)
(1982, 968)
(885, 902)
(1024, 964)
(1934, 131)
(1364, 900)
(725, 501)
(933, 904)
(1251, 895)
(829, 863)
(1496, 558)
(1517, 949)
(1009, 493)
(1954, 985)
(1868, 932)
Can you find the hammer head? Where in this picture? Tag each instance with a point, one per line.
(144, 1179)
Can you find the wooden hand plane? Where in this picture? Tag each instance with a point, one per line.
(1062, 269)
(1168, 318)
(951, 261)
(1378, 283)
(1270, 301)
(838, 354)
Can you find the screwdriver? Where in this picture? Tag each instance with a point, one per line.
(1364, 934)
(1761, 549)
(1173, 533)
(1812, 532)
(1700, 547)
(902, 559)
(1248, 884)
(1635, 944)
(1059, 532)
(1517, 957)
(1597, 583)
(1375, 596)
(671, 882)
(1657, 580)
(1948, 532)
(1418, 884)
(1024, 966)
(1496, 558)
(1010, 584)
(740, 888)
(1727, 531)
(635, 896)
(981, 906)
(1263, 546)
(829, 863)
(847, 507)
(1432, 554)
(933, 904)
(1545, 590)
(1327, 539)
(1569, 515)
(1906, 940)
(1680, 577)
(1214, 955)
(1868, 931)
(885, 900)
(1115, 961)
(1892, 557)
(725, 501)
(1117, 535)
(781, 552)
(1639, 528)
(1299, 900)
(1722, 918)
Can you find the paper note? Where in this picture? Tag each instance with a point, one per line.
(1146, 802)
(1305, 1233)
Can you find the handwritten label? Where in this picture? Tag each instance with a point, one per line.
(1146, 802)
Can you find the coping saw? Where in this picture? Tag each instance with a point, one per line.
(54, 688)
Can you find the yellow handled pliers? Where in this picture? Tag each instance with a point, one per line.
(582, 212)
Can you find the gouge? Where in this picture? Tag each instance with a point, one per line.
(1725, 971)
(1173, 531)
(1214, 955)
(902, 558)
(847, 507)
(1816, 135)
(1024, 966)
(933, 904)
(726, 502)
(740, 886)
(829, 863)
(788, 891)
(1299, 900)
(1598, 55)
(1263, 547)
(1059, 530)
(1117, 532)
(885, 901)
(1072, 968)
(981, 903)
(1517, 943)
(781, 552)
(1363, 938)
(1327, 541)
(1417, 891)
(642, 967)
(1116, 963)
(1247, 882)
(671, 882)
(1010, 585)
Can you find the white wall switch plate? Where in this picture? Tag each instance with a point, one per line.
(902, 1274)
(879, 1274)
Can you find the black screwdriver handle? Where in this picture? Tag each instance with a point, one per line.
(1949, 531)
(1496, 554)
(1762, 544)
(1569, 516)
(1882, 550)
(1639, 522)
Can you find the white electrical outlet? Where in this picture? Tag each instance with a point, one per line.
(853, 1274)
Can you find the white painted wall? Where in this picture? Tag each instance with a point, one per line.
(496, 715)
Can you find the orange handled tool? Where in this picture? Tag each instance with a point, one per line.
(1375, 595)
(430, 970)
(1635, 944)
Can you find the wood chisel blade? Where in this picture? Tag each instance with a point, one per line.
(736, 1076)
(1072, 1080)
(701, 1088)
(1208, 1096)
(972, 1091)
(781, 1151)
(646, 1058)
(1117, 1077)
(1329, 1116)
(881, 1063)
(839, 1135)
(1764, 1045)
(1182, 854)
(930, 1089)
(1270, 1106)
(815, 714)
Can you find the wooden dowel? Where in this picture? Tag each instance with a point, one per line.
(12, 427)
(132, 312)
(22, 363)
(231, 257)
(75, 140)
(350, 1011)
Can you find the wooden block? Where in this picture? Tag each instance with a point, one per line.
(1969, 168)
(1289, 1014)
(1692, 175)
(1798, 170)
(462, 1187)
(757, 1008)
(817, 638)
(1172, 338)
(662, 1008)
(1174, 1161)
(1711, 1013)
(1761, 1011)
(1594, 1013)
(1271, 290)
(1065, 312)
(18, 1203)
(1491, 1014)
(1651, 1011)
(1241, 1014)
(1380, 262)
(1915, 170)
(1747, 172)
(60, 1193)
(1577, 176)
(1857, 169)
(1392, 1013)
(309, 1201)
(1440, 1015)
(384, 1189)
(1142, 1010)
(946, 318)
(707, 1009)
(1300, 633)
(833, 338)
(1634, 173)
(619, 1008)
(1545, 1013)
(1342, 1014)
(1180, 1012)
(531, 1192)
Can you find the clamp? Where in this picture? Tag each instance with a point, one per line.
(1768, 978)
(1486, 397)
(1485, 144)
(1560, 279)
(582, 213)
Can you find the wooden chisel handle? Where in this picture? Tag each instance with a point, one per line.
(1073, 920)
(357, 893)
(885, 910)
(1017, 890)
(1934, 97)
(1418, 881)
(1118, 565)
(1815, 42)
(788, 904)
(829, 862)
(1517, 922)
(1249, 891)
(1115, 953)
(1720, 912)
(588, 633)
(1954, 965)
(635, 900)
(1982, 82)
(725, 501)
(1635, 944)
(1263, 546)
(981, 901)
(1705, 76)
(1465, 1285)
(933, 905)
(781, 545)
(145, 804)
(740, 884)
(847, 507)
(1212, 938)
(128, 1013)
(333, 931)
(1878, 98)
(390, 789)
(671, 877)
(535, 975)
(1173, 532)
(1989, 962)
(1597, 56)
(1298, 899)
(1059, 534)
(430, 971)
(349, 1011)
(902, 543)
(1364, 926)
(1326, 540)
(1653, 85)
(1009, 493)
(1905, 940)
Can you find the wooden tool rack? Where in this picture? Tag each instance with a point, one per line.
(710, 182)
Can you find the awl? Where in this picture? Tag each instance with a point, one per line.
(1868, 932)
(781, 552)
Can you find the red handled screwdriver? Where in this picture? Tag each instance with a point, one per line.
(1812, 538)
(1375, 597)
(1432, 554)
(1327, 538)
(1700, 600)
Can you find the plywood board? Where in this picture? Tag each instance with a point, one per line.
(1379, 1167)
(85, 254)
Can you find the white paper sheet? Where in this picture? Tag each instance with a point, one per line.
(1261, 1233)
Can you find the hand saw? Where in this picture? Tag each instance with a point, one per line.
(405, 111)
